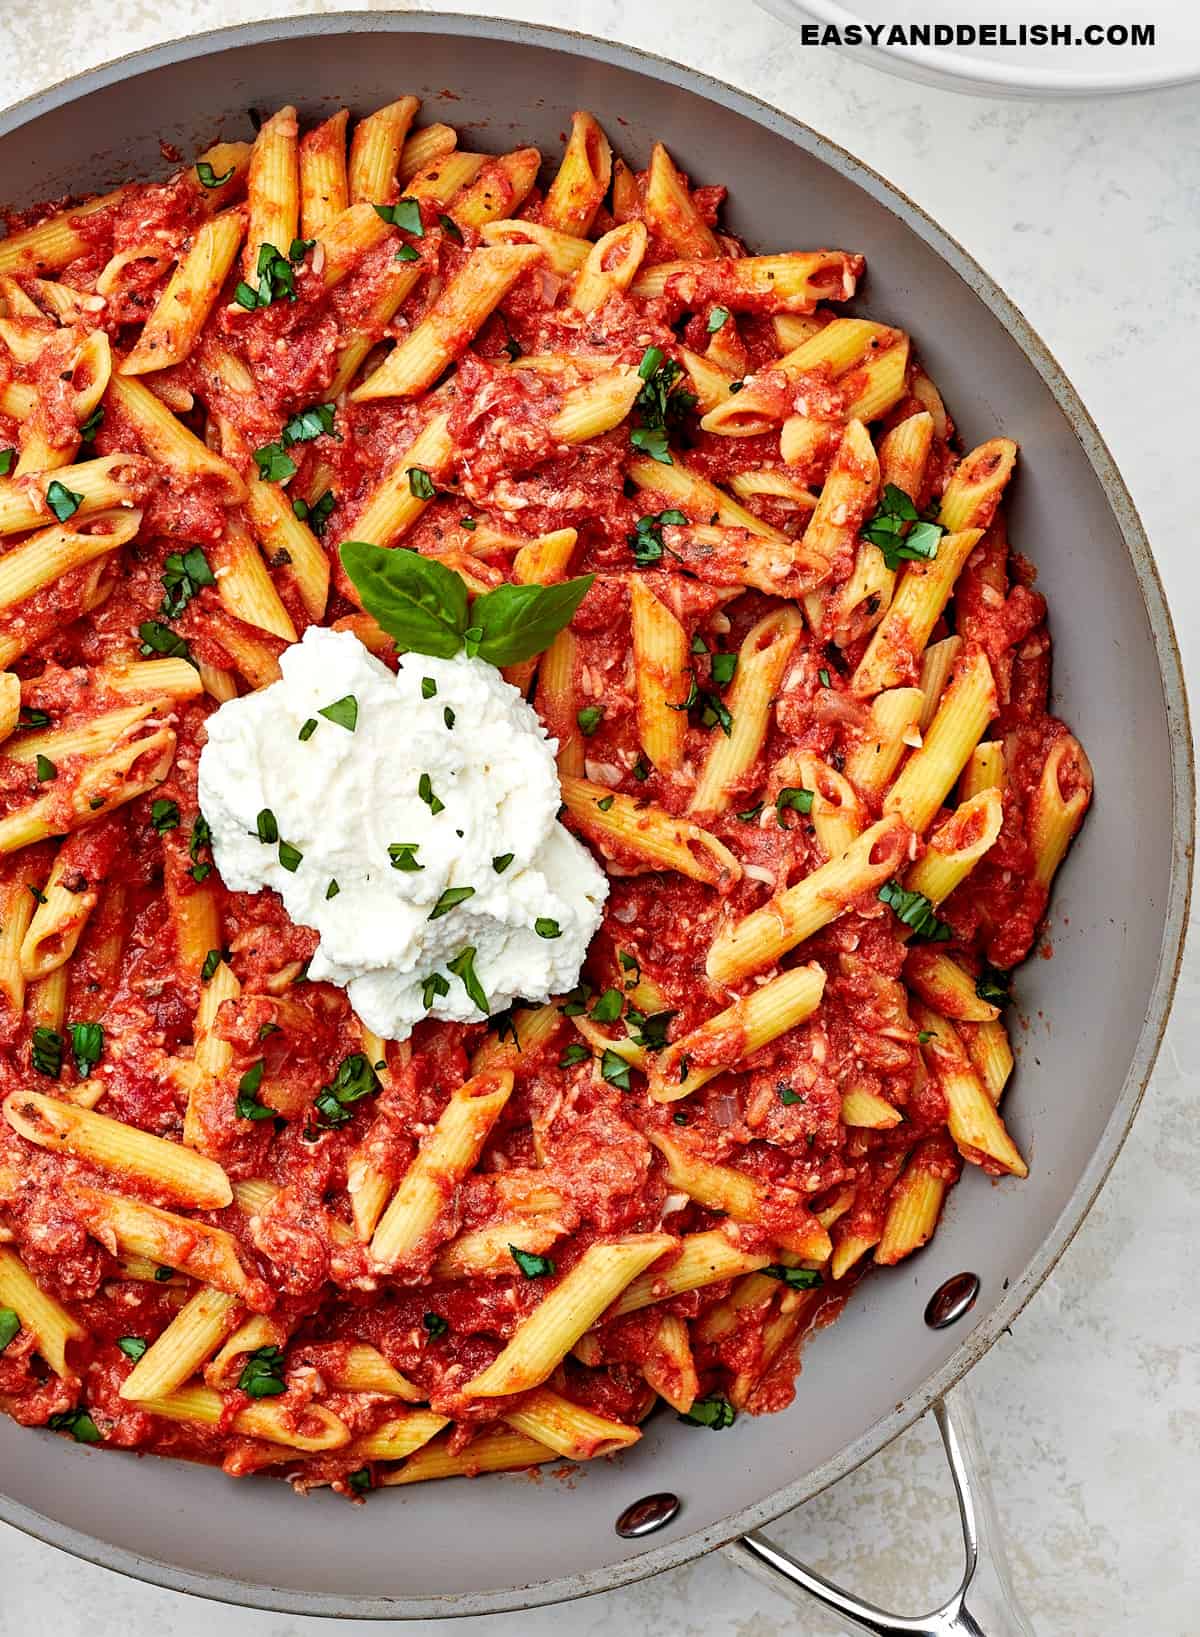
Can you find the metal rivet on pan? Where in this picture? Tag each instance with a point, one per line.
(645, 1516)
(951, 1300)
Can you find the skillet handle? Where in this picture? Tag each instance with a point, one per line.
(993, 1611)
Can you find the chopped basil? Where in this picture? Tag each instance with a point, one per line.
(574, 1053)
(533, 1267)
(575, 1002)
(646, 542)
(735, 386)
(164, 815)
(794, 1278)
(248, 1106)
(717, 317)
(46, 1051)
(307, 731)
(33, 718)
(823, 678)
(38, 897)
(434, 986)
(924, 1036)
(448, 717)
(749, 814)
(715, 713)
(714, 1412)
(463, 966)
(451, 227)
(163, 1276)
(468, 523)
(262, 1373)
(425, 791)
(276, 280)
(447, 901)
(640, 770)
(267, 827)
(78, 1423)
(723, 667)
(315, 515)
(615, 1070)
(89, 428)
(589, 719)
(685, 1067)
(63, 502)
(403, 856)
(435, 1325)
(360, 1481)
(796, 797)
(211, 962)
(160, 639)
(299, 248)
(501, 862)
(209, 179)
(787, 1096)
(545, 927)
(354, 1080)
(309, 424)
(7, 457)
(608, 1008)
(274, 463)
(87, 1044)
(45, 769)
(406, 214)
(406, 253)
(660, 404)
(649, 1032)
(343, 711)
(201, 839)
(290, 857)
(332, 890)
(915, 911)
(183, 575)
(992, 985)
(428, 687)
(629, 963)
(604, 803)
(132, 1346)
(420, 484)
(10, 1324)
(899, 531)
(680, 1117)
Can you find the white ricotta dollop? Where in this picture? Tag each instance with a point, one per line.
(462, 777)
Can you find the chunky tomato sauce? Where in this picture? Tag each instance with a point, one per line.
(574, 1133)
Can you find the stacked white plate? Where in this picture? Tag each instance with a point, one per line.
(1015, 64)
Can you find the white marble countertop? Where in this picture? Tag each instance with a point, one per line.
(1086, 213)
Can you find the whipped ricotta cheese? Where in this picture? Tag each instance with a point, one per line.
(426, 829)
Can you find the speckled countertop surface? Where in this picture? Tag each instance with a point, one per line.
(1086, 213)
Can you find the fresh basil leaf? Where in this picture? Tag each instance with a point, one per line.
(608, 1008)
(649, 1032)
(589, 719)
(992, 985)
(573, 1054)
(308, 424)
(164, 815)
(360, 1481)
(420, 484)
(211, 962)
(501, 862)
(604, 803)
(7, 461)
(274, 464)
(434, 986)
(717, 317)
(46, 770)
(787, 1096)
(354, 1080)
(405, 214)
(418, 601)
(546, 927)
(332, 890)
(574, 1004)
(723, 666)
(160, 639)
(451, 227)
(435, 1325)
(290, 857)
(10, 1325)
(89, 428)
(267, 827)
(132, 1346)
(652, 441)
(519, 621)
(403, 856)
(426, 793)
(795, 797)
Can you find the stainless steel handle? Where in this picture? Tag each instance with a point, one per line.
(994, 1611)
